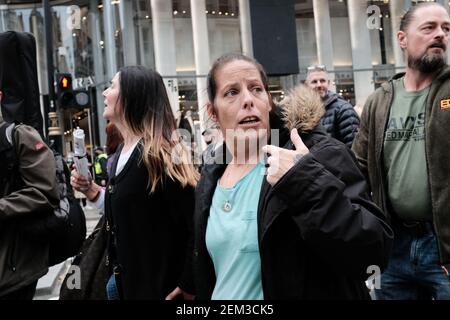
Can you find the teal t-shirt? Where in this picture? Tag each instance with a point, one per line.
(232, 238)
(404, 154)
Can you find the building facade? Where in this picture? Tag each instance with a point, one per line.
(93, 39)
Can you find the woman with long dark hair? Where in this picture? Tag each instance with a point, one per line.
(283, 211)
(149, 199)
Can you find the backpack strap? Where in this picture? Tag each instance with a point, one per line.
(6, 135)
(67, 175)
(9, 157)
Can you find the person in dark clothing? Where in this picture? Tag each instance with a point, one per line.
(212, 135)
(149, 199)
(26, 194)
(213, 138)
(340, 119)
(303, 229)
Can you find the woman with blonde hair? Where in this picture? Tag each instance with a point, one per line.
(149, 199)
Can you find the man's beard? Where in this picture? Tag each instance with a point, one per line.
(428, 63)
(322, 93)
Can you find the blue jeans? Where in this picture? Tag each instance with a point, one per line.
(414, 271)
(112, 293)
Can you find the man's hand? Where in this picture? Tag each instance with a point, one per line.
(282, 160)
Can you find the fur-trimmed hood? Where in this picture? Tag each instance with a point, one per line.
(301, 109)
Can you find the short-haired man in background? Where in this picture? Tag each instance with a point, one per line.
(340, 119)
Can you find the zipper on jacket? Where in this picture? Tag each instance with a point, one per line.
(380, 156)
(11, 260)
(433, 212)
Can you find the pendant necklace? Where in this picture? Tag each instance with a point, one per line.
(226, 206)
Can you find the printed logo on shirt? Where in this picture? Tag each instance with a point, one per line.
(445, 104)
(406, 129)
(39, 146)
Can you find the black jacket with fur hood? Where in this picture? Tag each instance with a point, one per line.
(318, 231)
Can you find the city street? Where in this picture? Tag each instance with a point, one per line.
(239, 150)
(49, 285)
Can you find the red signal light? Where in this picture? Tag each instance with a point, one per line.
(65, 82)
(64, 90)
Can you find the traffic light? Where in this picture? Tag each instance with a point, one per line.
(64, 90)
(67, 96)
(82, 98)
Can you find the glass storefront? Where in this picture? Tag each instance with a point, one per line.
(381, 50)
(92, 39)
(74, 28)
(73, 39)
(143, 32)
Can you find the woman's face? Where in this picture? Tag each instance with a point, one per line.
(112, 104)
(241, 105)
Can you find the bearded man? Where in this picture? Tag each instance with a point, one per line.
(403, 147)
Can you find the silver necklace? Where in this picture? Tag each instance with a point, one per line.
(227, 206)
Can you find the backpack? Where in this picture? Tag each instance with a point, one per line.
(65, 227)
(19, 79)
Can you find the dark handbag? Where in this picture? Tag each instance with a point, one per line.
(93, 268)
(66, 227)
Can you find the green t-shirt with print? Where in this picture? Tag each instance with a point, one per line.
(404, 155)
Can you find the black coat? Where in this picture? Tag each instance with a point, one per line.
(340, 119)
(317, 229)
(149, 232)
